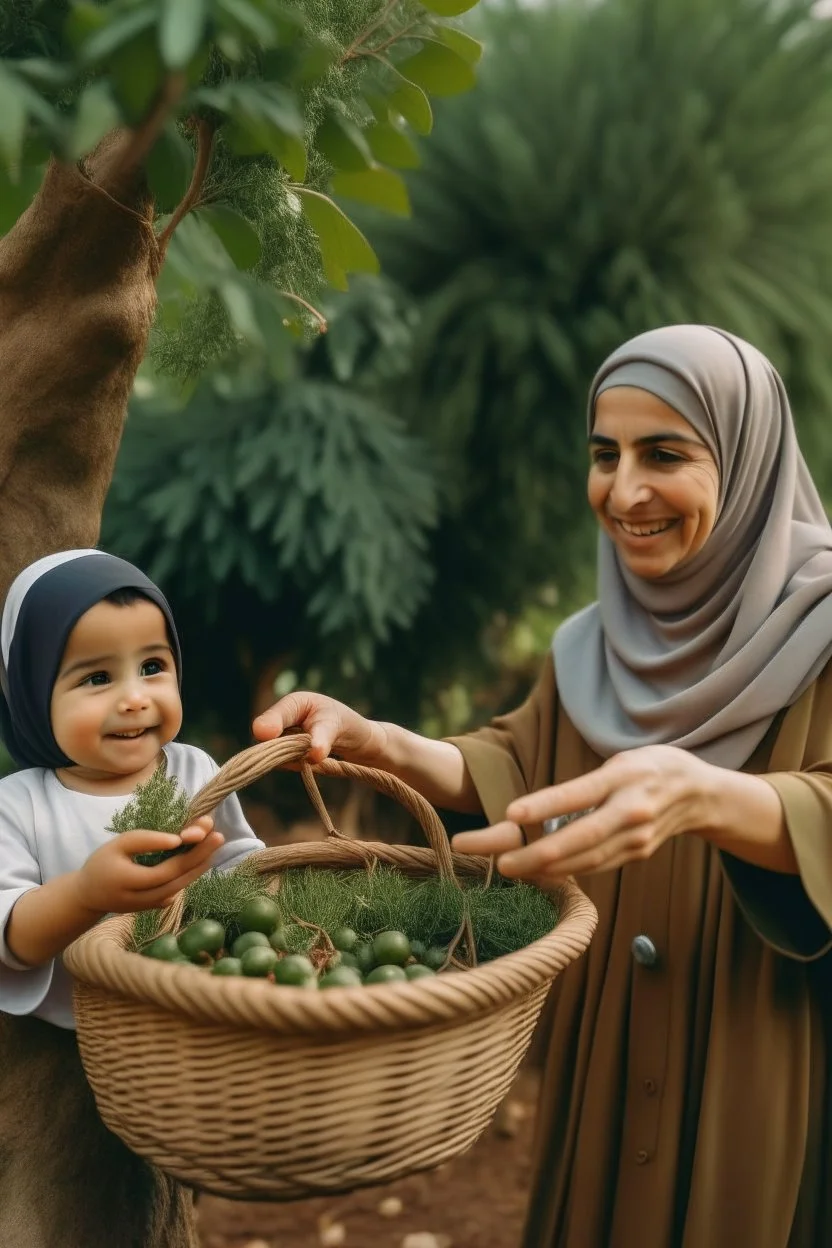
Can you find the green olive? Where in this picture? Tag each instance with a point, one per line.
(363, 954)
(258, 962)
(341, 977)
(345, 939)
(227, 966)
(417, 971)
(249, 940)
(295, 970)
(386, 975)
(166, 948)
(203, 936)
(344, 958)
(279, 940)
(260, 914)
(391, 949)
(435, 957)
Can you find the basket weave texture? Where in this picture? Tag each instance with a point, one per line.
(255, 1092)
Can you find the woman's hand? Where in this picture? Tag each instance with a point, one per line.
(636, 801)
(330, 724)
(110, 882)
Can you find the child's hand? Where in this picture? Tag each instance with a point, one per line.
(110, 882)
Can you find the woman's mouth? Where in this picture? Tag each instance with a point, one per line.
(646, 528)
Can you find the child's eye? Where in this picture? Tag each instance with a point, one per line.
(96, 678)
(152, 667)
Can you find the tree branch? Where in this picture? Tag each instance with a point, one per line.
(143, 138)
(323, 325)
(204, 149)
(353, 50)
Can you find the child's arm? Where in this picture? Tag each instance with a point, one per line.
(47, 918)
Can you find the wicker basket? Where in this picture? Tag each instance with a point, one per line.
(248, 1091)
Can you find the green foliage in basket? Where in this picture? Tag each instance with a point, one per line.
(158, 805)
(504, 917)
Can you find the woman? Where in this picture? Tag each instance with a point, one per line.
(688, 715)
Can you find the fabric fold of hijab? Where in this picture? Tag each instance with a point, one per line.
(705, 656)
(43, 605)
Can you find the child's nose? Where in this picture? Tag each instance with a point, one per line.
(134, 695)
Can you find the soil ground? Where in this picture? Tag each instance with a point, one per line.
(477, 1201)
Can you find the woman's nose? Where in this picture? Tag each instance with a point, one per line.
(629, 486)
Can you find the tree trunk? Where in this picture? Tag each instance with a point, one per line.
(77, 298)
(65, 1180)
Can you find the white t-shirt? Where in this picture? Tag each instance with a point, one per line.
(47, 830)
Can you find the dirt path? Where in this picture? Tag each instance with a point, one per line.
(477, 1201)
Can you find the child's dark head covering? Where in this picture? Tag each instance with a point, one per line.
(42, 607)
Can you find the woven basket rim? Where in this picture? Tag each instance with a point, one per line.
(99, 959)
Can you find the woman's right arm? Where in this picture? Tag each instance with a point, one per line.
(436, 769)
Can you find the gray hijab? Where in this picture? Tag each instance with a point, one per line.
(707, 655)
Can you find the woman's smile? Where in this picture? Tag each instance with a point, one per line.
(642, 529)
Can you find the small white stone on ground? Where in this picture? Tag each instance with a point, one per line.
(426, 1239)
(331, 1234)
(390, 1207)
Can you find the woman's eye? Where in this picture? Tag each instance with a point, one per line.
(662, 456)
(152, 667)
(604, 457)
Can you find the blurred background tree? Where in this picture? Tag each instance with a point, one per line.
(403, 523)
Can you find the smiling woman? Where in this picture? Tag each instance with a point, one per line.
(685, 718)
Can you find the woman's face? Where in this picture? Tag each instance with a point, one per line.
(653, 482)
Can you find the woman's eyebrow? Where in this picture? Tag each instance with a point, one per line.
(652, 439)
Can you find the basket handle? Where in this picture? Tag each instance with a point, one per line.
(256, 761)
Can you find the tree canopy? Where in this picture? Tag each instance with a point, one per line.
(618, 166)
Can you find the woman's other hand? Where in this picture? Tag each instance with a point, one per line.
(635, 802)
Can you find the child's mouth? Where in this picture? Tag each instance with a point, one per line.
(129, 736)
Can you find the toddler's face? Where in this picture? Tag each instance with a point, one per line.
(116, 701)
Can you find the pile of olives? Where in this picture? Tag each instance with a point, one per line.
(256, 945)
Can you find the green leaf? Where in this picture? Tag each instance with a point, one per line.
(169, 168)
(391, 146)
(246, 19)
(382, 188)
(102, 43)
(136, 71)
(13, 112)
(45, 75)
(412, 103)
(96, 115)
(240, 308)
(237, 235)
(464, 45)
(449, 8)
(181, 28)
(438, 69)
(342, 143)
(83, 20)
(344, 249)
(262, 118)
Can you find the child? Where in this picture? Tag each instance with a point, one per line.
(90, 671)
